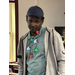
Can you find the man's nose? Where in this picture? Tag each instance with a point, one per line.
(33, 23)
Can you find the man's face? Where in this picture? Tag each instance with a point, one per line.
(34, 23)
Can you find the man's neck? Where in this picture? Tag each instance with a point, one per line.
(33, 33)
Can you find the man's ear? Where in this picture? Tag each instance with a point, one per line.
(27, 19)
(42, 21)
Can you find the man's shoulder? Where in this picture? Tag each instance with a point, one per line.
(50, 29)
(24, 36)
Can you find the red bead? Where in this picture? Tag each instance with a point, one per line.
(31, 56)
(37, 32)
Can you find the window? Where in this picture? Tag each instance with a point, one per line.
(13, 29)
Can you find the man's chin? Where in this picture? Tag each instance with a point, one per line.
(33, 31)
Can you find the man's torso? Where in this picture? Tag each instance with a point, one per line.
(36, 65)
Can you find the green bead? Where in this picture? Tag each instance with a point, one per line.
(36, 50)
(31, 39)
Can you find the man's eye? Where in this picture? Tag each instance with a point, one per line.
(30, 21)
(37, 21)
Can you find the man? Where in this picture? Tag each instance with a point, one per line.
(40, 51)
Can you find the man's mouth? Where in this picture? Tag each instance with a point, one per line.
(33, 28)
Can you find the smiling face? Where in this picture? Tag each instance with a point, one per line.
(34, 23)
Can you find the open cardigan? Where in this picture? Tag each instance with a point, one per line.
(54, 53)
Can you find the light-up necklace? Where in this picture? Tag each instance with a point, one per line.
(35, 41)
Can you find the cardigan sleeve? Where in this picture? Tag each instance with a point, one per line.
(60, 53)
(19, 58)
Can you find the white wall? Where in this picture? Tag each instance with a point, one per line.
(53, 12)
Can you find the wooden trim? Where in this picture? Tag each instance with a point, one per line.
(12, 1)
(16, 24)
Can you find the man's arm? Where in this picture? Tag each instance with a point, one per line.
(60, 53)
(19, 58)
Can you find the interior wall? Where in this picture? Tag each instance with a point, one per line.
(53, 13)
